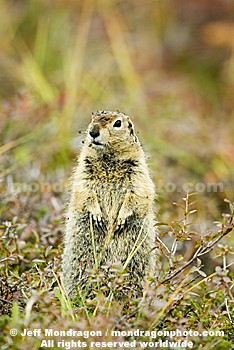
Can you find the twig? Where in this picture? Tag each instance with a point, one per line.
(202, 250)
(228, 312)
(163, 244)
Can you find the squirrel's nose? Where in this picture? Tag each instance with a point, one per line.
(94, 132)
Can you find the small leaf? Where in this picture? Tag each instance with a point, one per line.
(48, 249)
(192, 212)
(38, 261)
(202, 273)
(161, 224)
(178, 205)
(15, 313)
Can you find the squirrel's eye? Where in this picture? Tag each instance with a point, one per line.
(117, 124)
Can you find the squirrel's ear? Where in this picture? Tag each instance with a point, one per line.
(130, 127)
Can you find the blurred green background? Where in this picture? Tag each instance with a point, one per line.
(168, 64)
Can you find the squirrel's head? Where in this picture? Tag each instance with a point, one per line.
(110, 130)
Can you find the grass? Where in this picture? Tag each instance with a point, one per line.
(61, 61)
(182, 298)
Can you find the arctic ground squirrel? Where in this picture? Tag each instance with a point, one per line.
(110, 216)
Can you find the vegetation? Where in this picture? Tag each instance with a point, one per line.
(167, 64)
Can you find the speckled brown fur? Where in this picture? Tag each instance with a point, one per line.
(112, 192)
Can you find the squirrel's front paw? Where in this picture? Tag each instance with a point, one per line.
(122, 219)
(98, 222)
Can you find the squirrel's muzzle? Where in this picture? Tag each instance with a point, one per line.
(94, 131)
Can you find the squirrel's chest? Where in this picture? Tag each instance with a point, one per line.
(109, 172)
